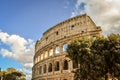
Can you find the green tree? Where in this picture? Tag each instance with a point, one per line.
(99, 50)
(12, 74)
(97, 58)
(22, 79)
(109, 51)
(79, 52)
(10, 77)
(2, 74)
(10, 70)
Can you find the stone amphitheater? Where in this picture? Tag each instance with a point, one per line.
(50, 61)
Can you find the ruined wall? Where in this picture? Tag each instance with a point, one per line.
(50, 50)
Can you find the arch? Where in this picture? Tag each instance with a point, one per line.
(40, 70)
(50, 67)
(72, 27)
(65, 66)
(57, 50)
(57, 66)
(65, 47)
(50, 52)
(39, 58)
(46, 54)
(44, 68)
(36, 70)
(42, 56)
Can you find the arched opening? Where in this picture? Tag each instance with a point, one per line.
(57, 50)
(57, 33)
(65, 47)
(45, 68)
(51, 52)
(57, 66)
(50, 67)
(65, 67)
(72, 27)
(40, 70)
(42, 56)
(46, 54)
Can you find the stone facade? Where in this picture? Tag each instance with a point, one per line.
(50, 61)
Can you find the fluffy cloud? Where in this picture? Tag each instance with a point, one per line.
(20, 49)
(104, 12)
(27, 72)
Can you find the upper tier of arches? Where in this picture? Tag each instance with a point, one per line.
(76, 25)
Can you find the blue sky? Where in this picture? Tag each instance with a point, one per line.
(22, 22)
(28, 19)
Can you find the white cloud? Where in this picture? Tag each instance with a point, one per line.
(104, 12)
(20, 49)
(6, 53)
(27, 73)
(79, 8)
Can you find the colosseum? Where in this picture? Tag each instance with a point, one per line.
(50, 61)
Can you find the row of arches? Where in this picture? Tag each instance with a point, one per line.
(56, 66)
(57, 50)
(50, 67)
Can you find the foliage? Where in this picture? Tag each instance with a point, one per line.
(12, 74)
(97, 58)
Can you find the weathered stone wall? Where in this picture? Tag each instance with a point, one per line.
(51, 48)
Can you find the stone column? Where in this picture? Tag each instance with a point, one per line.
(70, 65)
(54, 48)
(61, 49)
(61, 65)
(53, 66)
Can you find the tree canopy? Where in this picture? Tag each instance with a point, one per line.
(98, 58)
(12, 74)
